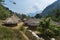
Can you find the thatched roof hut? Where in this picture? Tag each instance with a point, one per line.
(32, 22)
(12, 20)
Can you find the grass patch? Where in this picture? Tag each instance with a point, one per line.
(9, 34)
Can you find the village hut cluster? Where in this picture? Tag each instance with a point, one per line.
(14, 20)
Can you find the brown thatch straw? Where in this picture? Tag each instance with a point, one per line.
(12, 20)
(32, 22)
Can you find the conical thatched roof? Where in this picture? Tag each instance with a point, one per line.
(12, 20)
(32, 22)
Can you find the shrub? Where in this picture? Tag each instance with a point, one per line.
(48, 30)
(22, 28)
(9, 34)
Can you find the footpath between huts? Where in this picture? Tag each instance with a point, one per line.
(24, 37)
(22, 34)
(18, 25)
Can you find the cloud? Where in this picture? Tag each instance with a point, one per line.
(28, 6)
(36, 6)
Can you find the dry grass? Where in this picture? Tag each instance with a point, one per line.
(12, 33)
(9, 34)
(1, 22)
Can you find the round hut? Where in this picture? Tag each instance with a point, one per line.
(13, 20)
(32, 23)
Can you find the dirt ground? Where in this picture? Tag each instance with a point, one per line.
(25, 37)
(1, 22)
(18, 25)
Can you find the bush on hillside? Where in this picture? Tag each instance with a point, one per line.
(9, 34)
(48, 31)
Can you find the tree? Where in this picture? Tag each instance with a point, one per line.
(23, 16)
(4, 12)
(56, 16)
(1, 0)
(38, 16)
(48, 31)
(57, 12)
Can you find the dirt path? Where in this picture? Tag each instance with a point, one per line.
(1, 22)
(24, 36)
(18, 26)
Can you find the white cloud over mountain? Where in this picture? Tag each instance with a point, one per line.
(28, 6)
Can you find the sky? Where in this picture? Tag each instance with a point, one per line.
(28, 6)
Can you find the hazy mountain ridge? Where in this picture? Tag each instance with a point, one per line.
(34, 13)
(48, 10)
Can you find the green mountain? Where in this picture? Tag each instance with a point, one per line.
(52, 11)
(50, 8)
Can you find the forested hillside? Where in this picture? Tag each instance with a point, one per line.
(49, 9)
(52, 11)
(4, 11)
